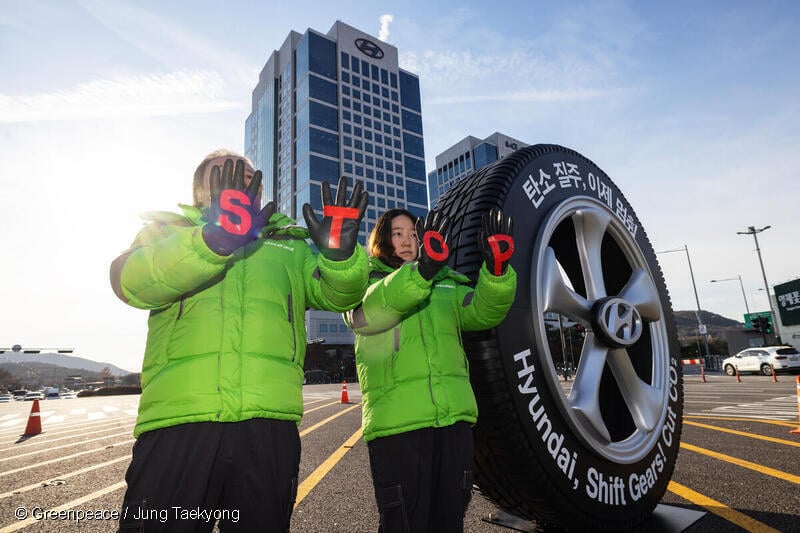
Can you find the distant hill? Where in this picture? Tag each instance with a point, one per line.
(61, 360)
(686, 323)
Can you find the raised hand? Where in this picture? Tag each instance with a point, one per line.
(234, 218)
(496, 241)
(434, 251)
(336, 235)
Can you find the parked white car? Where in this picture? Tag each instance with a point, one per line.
(781, 358)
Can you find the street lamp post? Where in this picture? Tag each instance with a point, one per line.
(751, 230)
(700, 327)
(747, 307)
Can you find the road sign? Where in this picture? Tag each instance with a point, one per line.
(748, 317)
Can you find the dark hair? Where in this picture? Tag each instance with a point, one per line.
(380, 240)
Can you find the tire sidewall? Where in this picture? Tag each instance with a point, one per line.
(576, 472)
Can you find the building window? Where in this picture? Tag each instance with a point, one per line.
(324, 116)
(412, 121)
(413, 145)
(322, 89)
(354, 64)
(323, 328)
(409, 92)
(321, 55)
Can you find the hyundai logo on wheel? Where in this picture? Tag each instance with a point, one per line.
(620, 321)
(369, 48)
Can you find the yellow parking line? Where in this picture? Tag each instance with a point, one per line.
(69, 505)
(746, 464)
(744, 434)
(719, 509)
(305, 412)
(322, 470)
(734, 419)
(322, 423)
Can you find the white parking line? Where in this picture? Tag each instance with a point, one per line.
(61, 477)
(57, 459)
(49, 440)
(51, 448)
(68, 505)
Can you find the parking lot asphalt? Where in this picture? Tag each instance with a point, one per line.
(737, 470)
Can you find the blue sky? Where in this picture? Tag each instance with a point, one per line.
(107, 106)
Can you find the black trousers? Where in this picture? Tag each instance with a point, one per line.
(185, 478)
(423, 479)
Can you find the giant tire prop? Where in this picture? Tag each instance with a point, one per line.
(590, 294)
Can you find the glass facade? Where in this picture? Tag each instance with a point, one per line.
(323, 109)
(465, 157)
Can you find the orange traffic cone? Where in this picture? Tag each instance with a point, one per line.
(774, 377)
(34, 426)
(345, 397)
(738, 378)
(797, 431)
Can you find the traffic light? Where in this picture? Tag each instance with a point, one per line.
(756, 323)
(766, 324)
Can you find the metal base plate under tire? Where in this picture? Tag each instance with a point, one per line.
(597, 452)
(665, 519)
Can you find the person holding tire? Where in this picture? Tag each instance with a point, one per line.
(418, 405)
(227, 283)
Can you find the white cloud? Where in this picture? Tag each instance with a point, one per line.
(523, 96)
(122, 97)
(383, 35)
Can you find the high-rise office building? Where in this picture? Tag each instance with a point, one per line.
(465, 157)
(330, 105)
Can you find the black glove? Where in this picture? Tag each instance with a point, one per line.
(336, 235)
(496, 233)
(233, 218)
(433, 251)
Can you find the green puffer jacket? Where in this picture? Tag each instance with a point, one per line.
(412, 368)
(226, 335)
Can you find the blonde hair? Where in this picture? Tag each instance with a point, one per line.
(200, 172)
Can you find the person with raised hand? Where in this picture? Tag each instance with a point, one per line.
(227, 284)
(336, 235)
(418, 405)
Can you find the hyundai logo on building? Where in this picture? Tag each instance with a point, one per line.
(369, 48)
